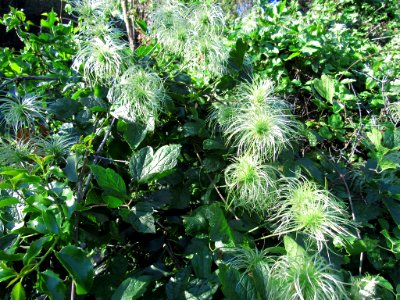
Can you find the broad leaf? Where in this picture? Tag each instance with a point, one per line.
(132, 288)
(70, 169)
(134, 134)
(108, 179)
(325, 87)
(177, 285)
(52, 285)
(140, 217)
(49, 220)
(394, 209)
(219, 227)
(292, 248)
(7, 201)
(34, 249)
(146, 165)
(6, 273)
(236, 285)
(202, 262)
(199, 289)
(75, 261)
(18, 292)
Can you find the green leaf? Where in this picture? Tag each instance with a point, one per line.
(34, 249)
(260, 278)
(219, 227)
(70, 169)
(140, 217)
(5, 256)
(108, 179)
(335, 121)
(393, 207)
(200, 289)
(211, 144)
(390, 161)
(51, 19)
(18, 292)
(7, 201)
(236, 285)
(6, 273)
(292, 248)
(49, 220)
(75, 261)
(176, 287)
(375, 136)
(112, 201)
(52, 285)
(134, 134)
(132, 288)
(325, 87)
(202, 262)
(146, 165)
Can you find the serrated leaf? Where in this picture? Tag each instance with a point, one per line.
(132, 288)
(52, 285)
(108, 179)
(18, 292)
(75, 261)
(325, 87)
(140, 217)
(146, 165)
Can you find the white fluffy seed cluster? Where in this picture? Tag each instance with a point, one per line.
(260, 126)
(194, 33)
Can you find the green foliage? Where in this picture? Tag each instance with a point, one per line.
(249, 158)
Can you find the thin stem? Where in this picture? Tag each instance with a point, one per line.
(278, 234)
(30, 77)
(127, 8)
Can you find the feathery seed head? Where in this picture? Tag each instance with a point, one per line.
(250, 184)
(247, 259)
(21, 111)
(14, 152)
(139, 93)
(303, 278)
(366, 287)
(264, 131)
(394, 112)
(55, 145)
(101, 59)
(304, 207)
(207, 17)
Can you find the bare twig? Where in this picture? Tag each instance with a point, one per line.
(342, 177)
(127, 10)
(30, 77)
(82, 190)
(214, 185)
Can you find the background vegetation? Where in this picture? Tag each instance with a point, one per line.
(201, 150)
